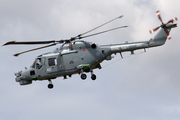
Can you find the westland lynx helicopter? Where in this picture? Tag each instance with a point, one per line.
(75, 56)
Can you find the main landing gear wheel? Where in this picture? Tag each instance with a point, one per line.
(93, 77)
(83, 76)
(50, 86)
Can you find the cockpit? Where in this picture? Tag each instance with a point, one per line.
(38, 62)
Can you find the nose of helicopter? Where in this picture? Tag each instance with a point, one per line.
(18, 76)
(23, 77)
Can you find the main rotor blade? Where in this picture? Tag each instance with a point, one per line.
(34, 49)
(100, 26)
(103, 32)
(29, 42)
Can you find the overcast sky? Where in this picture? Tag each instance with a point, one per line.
(140, 87)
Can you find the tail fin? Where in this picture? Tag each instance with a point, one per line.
(161, 37)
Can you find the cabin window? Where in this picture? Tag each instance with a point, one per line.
(52, 61)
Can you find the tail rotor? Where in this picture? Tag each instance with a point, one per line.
(166, 26)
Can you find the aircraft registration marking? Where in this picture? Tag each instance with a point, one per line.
(152, 44)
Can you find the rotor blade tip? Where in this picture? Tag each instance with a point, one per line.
(16, 54)
(176, 18)
(10, 42)
(169, 37)
(157, 11)
(150, 31)
(120, 16)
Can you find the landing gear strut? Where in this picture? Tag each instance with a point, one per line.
(50, 85)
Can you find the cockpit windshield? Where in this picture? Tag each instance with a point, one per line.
(37, 63)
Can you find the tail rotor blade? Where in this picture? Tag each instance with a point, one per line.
(153, 30)
(167, 33)
(172, 20)
(159, 16)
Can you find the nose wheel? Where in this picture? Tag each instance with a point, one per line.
(50, 85)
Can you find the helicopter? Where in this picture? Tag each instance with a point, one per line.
(75, 56)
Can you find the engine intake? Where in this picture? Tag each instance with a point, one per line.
(93, 45)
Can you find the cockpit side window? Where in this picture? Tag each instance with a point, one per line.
(33, 65)
(52, 61)
(37, 63)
